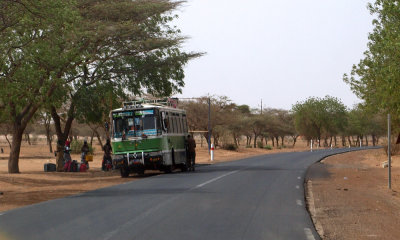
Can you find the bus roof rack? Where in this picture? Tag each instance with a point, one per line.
(166, 102)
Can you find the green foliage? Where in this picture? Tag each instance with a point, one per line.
(88, 54)
(260, 144)
(268, 147)
(375, 79)
(315, 117)
(76, 147)
(230, 147)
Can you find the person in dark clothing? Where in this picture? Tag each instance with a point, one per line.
(191, 152)
(85, 150)
(107, 162)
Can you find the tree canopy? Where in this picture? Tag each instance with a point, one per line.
(52, 50)
(376, 78)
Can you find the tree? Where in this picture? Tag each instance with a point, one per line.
(376, 78)
(57, 48)
(31, 60)
(221, 109)
(316, 117)
(310, 118)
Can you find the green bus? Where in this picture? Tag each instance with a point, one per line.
(148, 135)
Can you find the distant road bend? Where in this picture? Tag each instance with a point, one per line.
(256, 198)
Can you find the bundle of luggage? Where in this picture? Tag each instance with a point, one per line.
(74, 166)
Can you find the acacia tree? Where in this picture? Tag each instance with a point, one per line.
(310, 118)
(32, 60)
(376, 78)
(55, 48)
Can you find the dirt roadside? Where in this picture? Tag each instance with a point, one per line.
(348, 196)
(33, 185)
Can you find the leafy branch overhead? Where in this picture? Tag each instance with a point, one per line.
(52, 50)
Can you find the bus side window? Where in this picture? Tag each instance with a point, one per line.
(171, 124)
(165, 121)
(175, 124)
(179, 122)
(185, 130)
(182, 125)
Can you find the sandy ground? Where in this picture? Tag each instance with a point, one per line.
(349, 198)
(33, 185)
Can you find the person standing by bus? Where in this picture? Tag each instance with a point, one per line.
(107, 161)
(191, 152)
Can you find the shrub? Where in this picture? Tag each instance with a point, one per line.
(76, 146)
(260, 144)
(394, 149)
(230, 147)
(268, 147)
(249, 146)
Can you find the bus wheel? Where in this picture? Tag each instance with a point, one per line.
(124, 172)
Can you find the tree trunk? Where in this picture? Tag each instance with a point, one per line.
(277, 141)
(9, 143)
(27, 139)
(295, 139)
(62, 135)
(91, 138)
(335, 140)
(98, 138)
(49, 139)
(255, 141)
(366, 140)
(373, 140)
(330, 141)
(282, 138)
(18, 131)
(273, 142)
(343, 141)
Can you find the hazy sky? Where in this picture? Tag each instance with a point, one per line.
(281, 51)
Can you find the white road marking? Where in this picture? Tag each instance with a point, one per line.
(1, 214)
(298, 177)
(309, 234)
(215, 179)
(299, 202)
(298, 187)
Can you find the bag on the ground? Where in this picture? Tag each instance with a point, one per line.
(82, 167)
(49, 167)
(73, 166)
(67, 166)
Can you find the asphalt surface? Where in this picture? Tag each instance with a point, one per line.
(256, 198)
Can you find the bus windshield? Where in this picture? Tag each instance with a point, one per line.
(134, 123)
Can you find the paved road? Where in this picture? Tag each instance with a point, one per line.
(256, 198)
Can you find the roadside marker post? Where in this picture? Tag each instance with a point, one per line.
(212, 152)
(311, 145)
